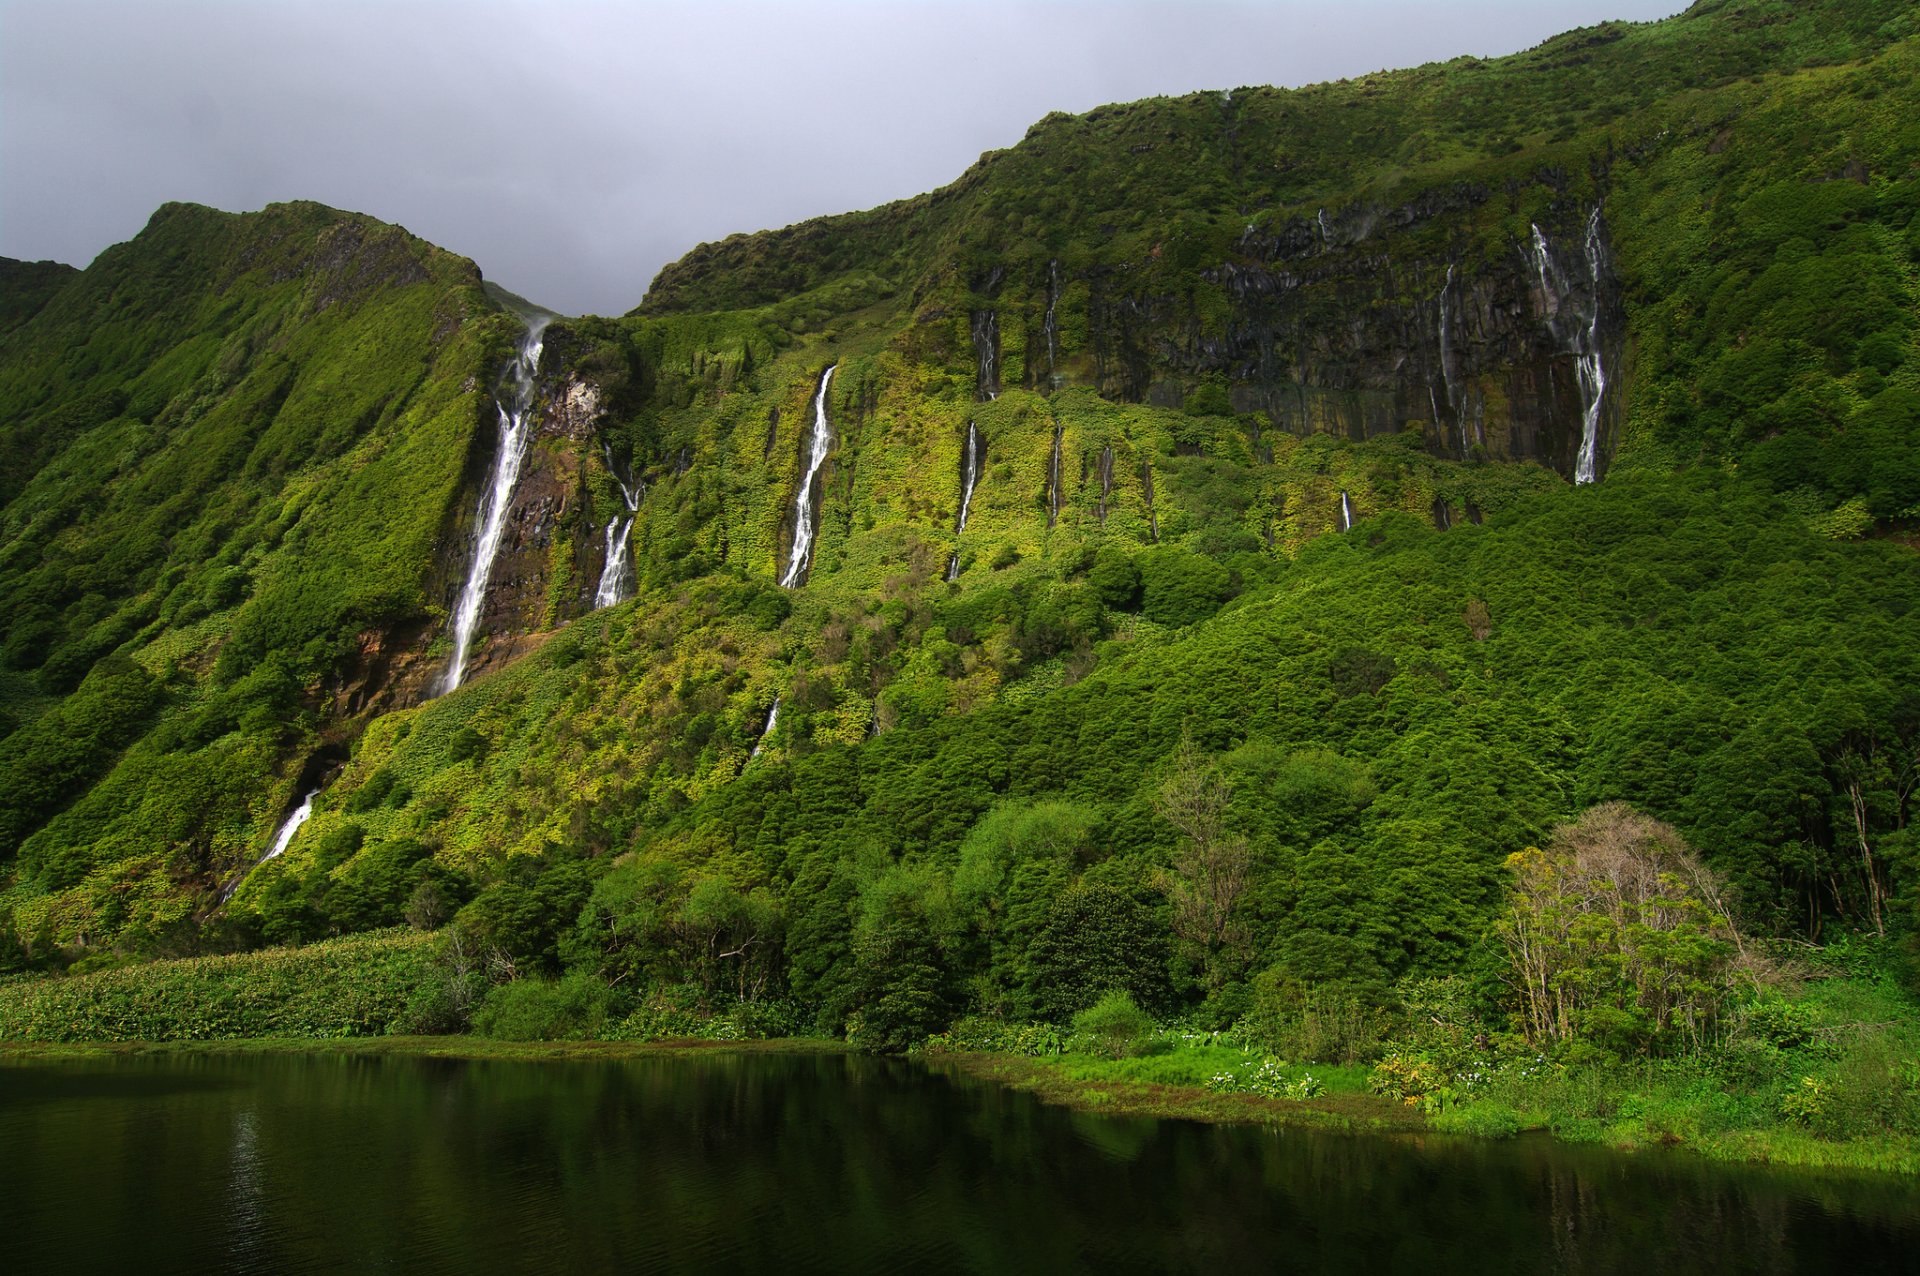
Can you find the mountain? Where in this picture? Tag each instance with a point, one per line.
(1402, 465)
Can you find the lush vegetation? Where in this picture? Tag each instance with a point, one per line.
(1515, 805)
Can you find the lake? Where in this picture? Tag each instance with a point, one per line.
(794, 1163)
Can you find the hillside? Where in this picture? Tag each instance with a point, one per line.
(1328, 494)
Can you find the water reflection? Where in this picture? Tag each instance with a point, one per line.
(328, 1163)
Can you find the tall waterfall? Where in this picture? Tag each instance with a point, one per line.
(969, 475)
(516, 427)
(986, 354)
(1446, 355)
(766, 732)
(1346, 511)
(616, 577)
(1577, 327)
(806, 513)
(1326, 230)
(1053, 477)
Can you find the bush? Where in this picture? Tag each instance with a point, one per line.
(1113, 1026)
(573, 1008)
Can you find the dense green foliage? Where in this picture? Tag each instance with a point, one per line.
(230, 447)
(348, 987)
(1147, 742)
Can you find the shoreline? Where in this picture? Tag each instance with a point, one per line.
(1336, 1112)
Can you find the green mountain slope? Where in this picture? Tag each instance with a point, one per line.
(1274, 399)
(232, 448)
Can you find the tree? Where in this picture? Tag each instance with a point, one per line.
(1210, 871)
(1617, 932)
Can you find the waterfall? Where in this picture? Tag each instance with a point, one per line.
(516, 428)
(969, 475)
(1106, 479)
(1146, 481)
(805, 513)
(1326, 231)
(616, 577)
(281, 841)
(986, 353)
(1593, 375)
(1051, 328)
(766, 732)
(1446, 356)
(1053, 477)
(1346, 511)
(1579, 334)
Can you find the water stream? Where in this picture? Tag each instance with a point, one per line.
(1346, 511)
(806, 512)
(282, 839)
(969, 475)
(516, 428)
(616, 577)
(766, 732)
(1575, 323)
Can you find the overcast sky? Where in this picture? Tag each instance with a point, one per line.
(573, 149)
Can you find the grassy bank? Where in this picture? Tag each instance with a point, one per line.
(448, 1047)
(1626, 1109)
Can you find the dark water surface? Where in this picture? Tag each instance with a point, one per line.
(326, 1163)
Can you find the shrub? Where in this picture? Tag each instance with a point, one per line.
(1114, 1025)
(572, 1008)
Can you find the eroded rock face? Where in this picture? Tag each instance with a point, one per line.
(1342, 324)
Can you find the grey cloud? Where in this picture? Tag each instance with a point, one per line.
(574, 149)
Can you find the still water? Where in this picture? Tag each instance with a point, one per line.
(328, 1163)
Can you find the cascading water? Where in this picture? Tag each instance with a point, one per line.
(1053, 477)
(1346, 511)
(616, 577)
(986, 353)
(516, 427)
(1146, 482)
(1578, 332)
(805, 511)
(1051, 328)
(766, 732)
(1446, 354)
(969, 475)
(282, 839)
(1326, 230)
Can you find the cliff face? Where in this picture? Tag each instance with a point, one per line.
(1359, 323)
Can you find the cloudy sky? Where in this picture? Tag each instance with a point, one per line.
(572, 149)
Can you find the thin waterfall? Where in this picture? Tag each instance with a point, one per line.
(516, 428)
(616, 577)
(1326, 231)
(806, 514)
(281, 841)
(1593, 374)
(1053, 477)
(986, 354)
(1579, 333)
(1454, 403)
(1346, 511)
(1051, 328)
(766, 732)
(969, 475)
(1146, 482)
